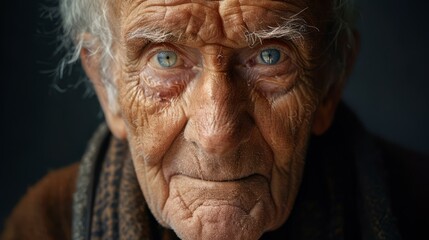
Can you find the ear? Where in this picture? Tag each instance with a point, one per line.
(325, 112)
(91, 65)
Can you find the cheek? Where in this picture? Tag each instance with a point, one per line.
(152, 123)
(162, 87)
(151, 130)
(285, 123)
(152, 127)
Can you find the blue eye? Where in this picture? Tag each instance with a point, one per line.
(166, 58)
(270, 56)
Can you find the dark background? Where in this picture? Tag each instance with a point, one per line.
(46, 124)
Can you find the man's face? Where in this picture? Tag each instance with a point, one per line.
(217, 124)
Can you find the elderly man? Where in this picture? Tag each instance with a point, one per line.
(218, 115)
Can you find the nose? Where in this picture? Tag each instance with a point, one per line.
(218, 121)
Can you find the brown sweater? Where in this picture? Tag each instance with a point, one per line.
(45, 211)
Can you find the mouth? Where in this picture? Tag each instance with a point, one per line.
(221, 180)
(242, 193)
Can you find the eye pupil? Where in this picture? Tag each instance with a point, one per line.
(270, 56)
(167, 58)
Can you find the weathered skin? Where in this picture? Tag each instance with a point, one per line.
(219, 139)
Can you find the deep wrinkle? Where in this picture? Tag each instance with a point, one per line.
(218, 129)
(156, 83)
(176, 33)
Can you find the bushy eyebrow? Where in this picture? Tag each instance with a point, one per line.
(152, 34)
(291, 28)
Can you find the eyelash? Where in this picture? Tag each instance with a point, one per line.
(183, 60)
(152, 55)
(168, 83)
(255, 58)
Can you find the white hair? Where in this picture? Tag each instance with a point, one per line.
(80, 17)
(292, 28)
(92, 16)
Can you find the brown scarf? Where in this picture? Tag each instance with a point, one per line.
(120, 210)
(108, 202)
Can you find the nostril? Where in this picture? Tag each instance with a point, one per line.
(219, 139)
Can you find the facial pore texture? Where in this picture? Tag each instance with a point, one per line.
(218, 136)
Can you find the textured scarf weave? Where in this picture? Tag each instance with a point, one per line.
(118, 209)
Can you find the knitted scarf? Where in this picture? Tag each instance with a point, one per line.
(108, 203)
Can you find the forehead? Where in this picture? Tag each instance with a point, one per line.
(212, 22)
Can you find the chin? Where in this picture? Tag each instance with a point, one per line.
(219, 223)
(220, 210)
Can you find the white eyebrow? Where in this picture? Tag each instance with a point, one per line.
(292, 28)
(155, 35)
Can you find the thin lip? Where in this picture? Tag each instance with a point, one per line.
(238, 179)
(240, 193)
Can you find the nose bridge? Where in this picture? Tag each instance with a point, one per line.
(218, 111)
(219, 117)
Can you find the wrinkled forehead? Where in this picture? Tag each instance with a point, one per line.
(225, 22)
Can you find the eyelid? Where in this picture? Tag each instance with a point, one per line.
(153, 49)
(257, 73)
(260, 60)
(250, 56)
(163, 84)
(152, 52)
(183, 55)
(283, 53)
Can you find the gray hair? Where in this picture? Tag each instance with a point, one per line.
(88, 16)
(92, 16)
